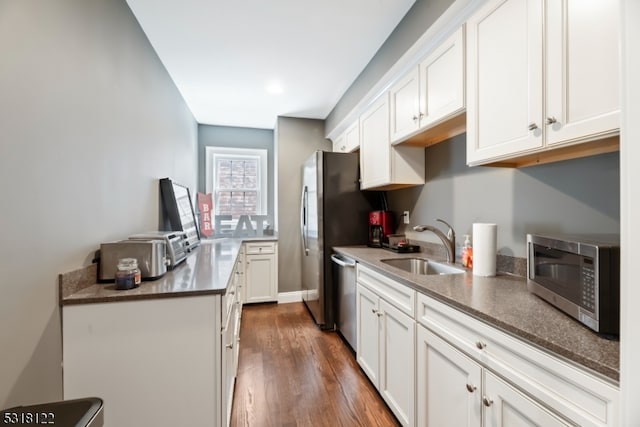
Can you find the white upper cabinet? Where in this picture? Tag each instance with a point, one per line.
(583, 69)
(504, 44)
(352, 137)
(349, 140)
(383, 166)
(431, 93)
(442, 81)
(535, 81)
(405, 106)
(339, 144)
(375, 163)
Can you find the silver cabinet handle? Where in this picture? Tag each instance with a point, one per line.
(533, 126)
(481, 345)
(551, 120)
(376, 312)
(486, 401)
(415, 118)
(229, 346)
(471, 388)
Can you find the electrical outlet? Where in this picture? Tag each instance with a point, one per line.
(405, 217)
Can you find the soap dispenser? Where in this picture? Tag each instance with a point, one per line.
(467, 252)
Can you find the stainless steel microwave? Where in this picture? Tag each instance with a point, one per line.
(580, 275)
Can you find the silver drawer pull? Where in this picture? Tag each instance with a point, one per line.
(471, 388)
(229, 346)
(533, 126)
(486, 401)
(481, 345)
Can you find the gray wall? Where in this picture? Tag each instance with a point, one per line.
(296, 140)
(575, 196)
(419, 18)
(227, 136)
(89, 121)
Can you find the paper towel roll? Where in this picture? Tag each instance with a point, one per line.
(485, 244)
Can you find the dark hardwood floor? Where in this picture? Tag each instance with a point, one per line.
(292, 374)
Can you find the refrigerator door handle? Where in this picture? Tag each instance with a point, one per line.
(303, 219)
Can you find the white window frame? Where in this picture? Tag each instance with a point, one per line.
(213, 153)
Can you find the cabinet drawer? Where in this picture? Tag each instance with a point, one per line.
(560, 385)
(260, 248)
(401, 296)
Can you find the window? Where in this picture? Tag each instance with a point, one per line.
(237, 179)
(236, 186)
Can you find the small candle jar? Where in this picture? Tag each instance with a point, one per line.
(128, 275)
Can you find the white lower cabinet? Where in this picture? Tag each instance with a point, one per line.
(386, 347)
(368, 333)
(521, 384)
(230, 347)
(153, 362)
(451, 369)
(261, 272)
(157, 362)
(505, 406)
(454, 390)
(449, 384)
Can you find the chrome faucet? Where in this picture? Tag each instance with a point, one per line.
(448, 240)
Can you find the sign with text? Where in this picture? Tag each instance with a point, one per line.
(205, 206)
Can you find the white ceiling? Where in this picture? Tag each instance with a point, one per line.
(223, 55)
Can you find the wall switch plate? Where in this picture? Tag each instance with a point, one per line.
(405, 217)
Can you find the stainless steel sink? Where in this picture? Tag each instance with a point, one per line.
(422, 266)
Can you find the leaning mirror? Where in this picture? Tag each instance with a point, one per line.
(177, 211)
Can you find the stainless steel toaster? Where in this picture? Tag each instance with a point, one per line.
(175, 241)
(151, 256)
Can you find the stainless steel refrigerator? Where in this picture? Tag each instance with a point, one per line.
(334, 212)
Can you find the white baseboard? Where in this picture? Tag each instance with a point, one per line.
(287, 297)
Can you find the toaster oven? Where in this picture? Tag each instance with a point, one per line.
(175, 242)
(151, 256)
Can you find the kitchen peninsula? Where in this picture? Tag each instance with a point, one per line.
(165, 353)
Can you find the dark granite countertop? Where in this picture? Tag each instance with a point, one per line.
(504, 302)
(206, 271)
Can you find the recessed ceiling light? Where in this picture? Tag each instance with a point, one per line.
(274, 88)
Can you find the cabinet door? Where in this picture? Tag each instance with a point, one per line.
(442, 81)
(352, 137)
(368, 335)
(448, 384)
(339, 145)
(261, 278)
(375, 164)
(505, 407)
(504, 79)
(404, 108)
(228, 364)
(397, 362)
(583, 68)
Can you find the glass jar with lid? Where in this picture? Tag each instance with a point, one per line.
(128, 275)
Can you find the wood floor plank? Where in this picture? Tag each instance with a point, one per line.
(291, 374)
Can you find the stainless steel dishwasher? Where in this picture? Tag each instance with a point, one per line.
(344, 271)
